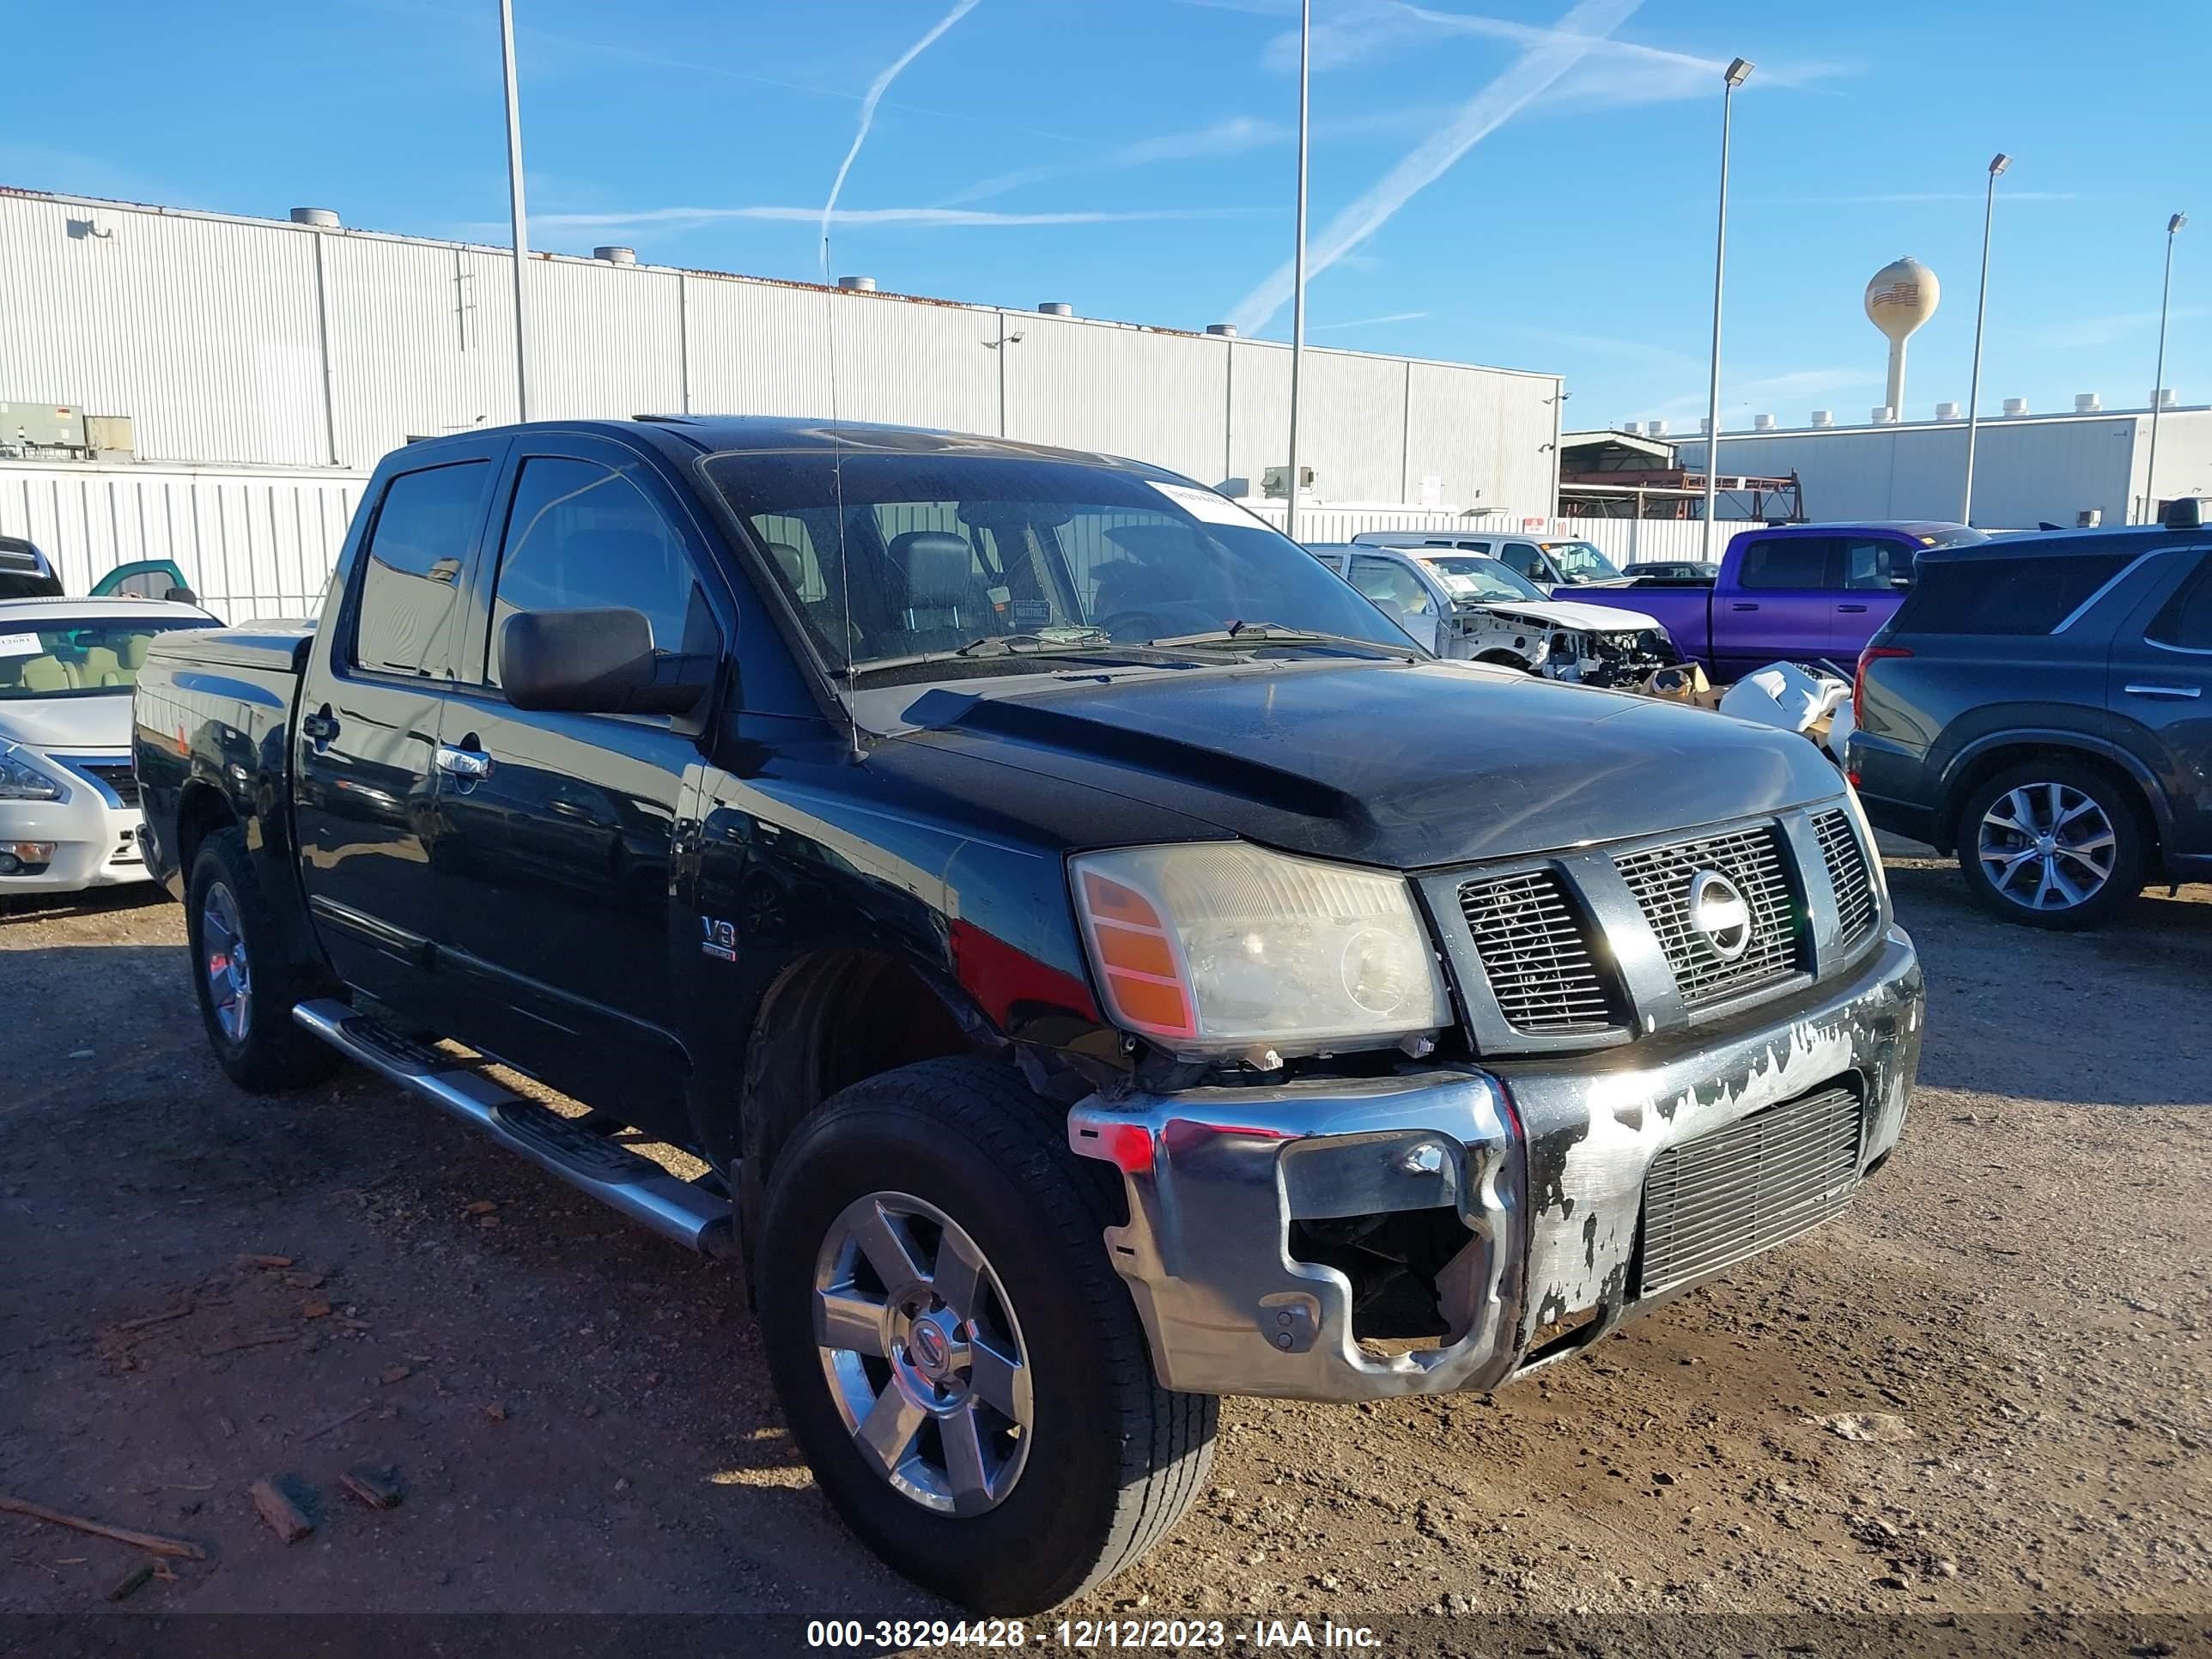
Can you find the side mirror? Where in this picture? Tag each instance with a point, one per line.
(595, 662)
(1902, 584)
(181, 596)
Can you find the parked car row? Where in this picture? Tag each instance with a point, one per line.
(1101, 961)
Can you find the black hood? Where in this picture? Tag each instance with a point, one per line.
(1404, 766)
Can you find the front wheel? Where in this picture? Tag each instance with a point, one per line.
(955, 1355)
(2052, 843)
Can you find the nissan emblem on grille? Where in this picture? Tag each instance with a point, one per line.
(1718, 909)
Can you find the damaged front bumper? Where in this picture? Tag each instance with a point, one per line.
(1544, 1161)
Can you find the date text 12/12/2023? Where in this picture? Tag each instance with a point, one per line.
(1094, 1635)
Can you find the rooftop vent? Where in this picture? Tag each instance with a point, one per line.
(1657, 428)
(320, 218)
(615, 256)
(1947, 411)
(2162, 398)
(1633, 428)
(1763, 423)
(1057, 309)
(1227, 331)
(857, 284)
(1823, 417)
(2086, 402)
(1882, 415)
(2015, 406)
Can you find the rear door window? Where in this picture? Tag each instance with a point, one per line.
(581, 536)
(2005, 596)
(2184, 622)
(1386, 581)
(1786, 563)
(411, 581)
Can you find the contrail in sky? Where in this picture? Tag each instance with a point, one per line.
(1557, 51)
(879, 85)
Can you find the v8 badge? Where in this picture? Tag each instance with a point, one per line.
(718, 939)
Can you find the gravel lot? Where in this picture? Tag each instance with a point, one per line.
(2013, 1317)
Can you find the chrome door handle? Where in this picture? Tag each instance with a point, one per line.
(470, 764)
(2165, 692)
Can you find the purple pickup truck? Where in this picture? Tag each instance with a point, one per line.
(1789, 593)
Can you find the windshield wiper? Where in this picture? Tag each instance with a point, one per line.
(1268, 633)
(994, 644)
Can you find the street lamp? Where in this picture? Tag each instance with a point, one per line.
(1737, 72)
(2158, 380)
(1998, 163)
(1298, 266)
(521, 218)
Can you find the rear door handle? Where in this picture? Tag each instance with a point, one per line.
(2166, 690)
(1852, 609)
(1743, 607)
(467, 763)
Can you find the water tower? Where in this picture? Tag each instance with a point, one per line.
(1903, 295)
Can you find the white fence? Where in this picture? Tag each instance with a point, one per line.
(262, 542)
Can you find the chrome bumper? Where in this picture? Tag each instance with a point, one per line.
(1544, 1160)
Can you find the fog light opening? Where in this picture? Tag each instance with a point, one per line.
(1393, 1260)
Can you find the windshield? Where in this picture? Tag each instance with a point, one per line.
(72, 657)
(1471, 576)
(1579, 561)
(1008, 558)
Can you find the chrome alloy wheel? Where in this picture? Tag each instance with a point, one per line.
(222, 957)
(922, 1353)
(2046, 847)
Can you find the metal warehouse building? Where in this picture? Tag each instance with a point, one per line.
(304, 345)
(2028, 468)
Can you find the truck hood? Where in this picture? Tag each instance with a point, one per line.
(68, 725)
(1567, 613)
(1401, 765)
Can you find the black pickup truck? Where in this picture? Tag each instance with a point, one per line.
(1101, 964)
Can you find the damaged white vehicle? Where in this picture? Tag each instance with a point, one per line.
(1471, 608)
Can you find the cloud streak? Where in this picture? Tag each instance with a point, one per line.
(1369, 322)
(874, 97)
(1523, 80)
(1898, 198)
(2104, 331)
(693, 216)
(1231, 137)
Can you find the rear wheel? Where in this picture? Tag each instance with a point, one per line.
(245, 988)
(2053, 843)
(954, 1352)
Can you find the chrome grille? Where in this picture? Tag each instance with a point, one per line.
(1847, 875)
(1729, 1194)
(1660, 877)
(1534, 955)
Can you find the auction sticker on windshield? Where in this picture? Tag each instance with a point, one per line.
(21, 645)
(1205, 506)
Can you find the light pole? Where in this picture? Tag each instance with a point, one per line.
(1738, 72)
(1298, 266)
(2158, 379)
(1998, 163)
(521, 217)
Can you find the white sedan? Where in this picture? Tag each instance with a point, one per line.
(68, 801)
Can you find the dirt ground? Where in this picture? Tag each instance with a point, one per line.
(2013, 1315)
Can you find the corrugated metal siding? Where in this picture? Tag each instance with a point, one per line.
(203, 331)
(1352, 420)
(2025, 471)
(1258, 411)
(251, 545)
(1161, 397)
(605, 340)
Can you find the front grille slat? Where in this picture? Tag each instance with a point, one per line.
(1661, 878)
(1536, 955)
(118, 776)
(1847, 873)
(1744, 1188)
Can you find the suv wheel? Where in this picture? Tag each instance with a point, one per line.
(2053, 844)
(954, 1352)
(246, 987)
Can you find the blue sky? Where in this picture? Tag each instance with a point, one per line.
(1494, 189)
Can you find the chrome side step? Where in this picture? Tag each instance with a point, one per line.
(642, 1190)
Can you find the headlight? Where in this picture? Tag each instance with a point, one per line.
(21, 780)
(1213, 947)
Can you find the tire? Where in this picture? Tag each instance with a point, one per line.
(2096, 862)
(1108, 1460)
(231, 935)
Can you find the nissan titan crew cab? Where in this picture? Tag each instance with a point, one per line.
(1104, 963)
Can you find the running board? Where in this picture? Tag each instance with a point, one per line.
(642, 1189)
